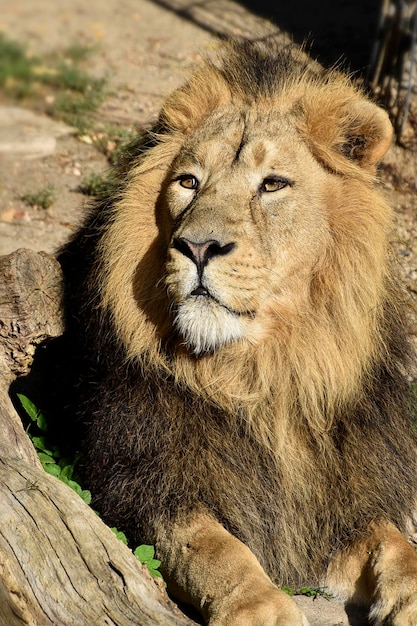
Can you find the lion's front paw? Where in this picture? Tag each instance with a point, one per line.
(404, 616)
(272, 609)
(398, 606)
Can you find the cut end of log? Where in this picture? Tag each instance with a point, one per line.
(31, 311)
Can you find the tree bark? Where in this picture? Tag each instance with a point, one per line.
(59, 564)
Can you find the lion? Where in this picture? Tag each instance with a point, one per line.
(242, 347)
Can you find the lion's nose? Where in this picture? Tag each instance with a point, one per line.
(201, 252)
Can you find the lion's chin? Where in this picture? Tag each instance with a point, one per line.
(205, 326)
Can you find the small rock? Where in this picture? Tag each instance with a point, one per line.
(86, 139)
(27, 135)
(14, 215)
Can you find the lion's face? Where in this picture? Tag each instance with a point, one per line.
(249, 210)
(252, 225)
(249, 232)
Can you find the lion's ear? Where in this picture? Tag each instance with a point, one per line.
(354, 131)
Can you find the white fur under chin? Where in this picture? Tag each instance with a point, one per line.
(205, 326)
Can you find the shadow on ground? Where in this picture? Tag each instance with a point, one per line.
(335, 31)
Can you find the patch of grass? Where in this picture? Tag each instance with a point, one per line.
(78, 95)
(43, 198)
(311, 592)
(78, 52)
(16, 68)
(65, 469)
(112, 140)
(97, 184)
(60, 83)
(72, 77)
(76, 109)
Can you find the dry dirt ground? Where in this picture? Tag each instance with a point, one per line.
(144, 49)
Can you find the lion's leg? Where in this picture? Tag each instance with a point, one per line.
(207, 567)
(379, 572)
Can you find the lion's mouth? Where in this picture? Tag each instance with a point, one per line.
(202, 292)
(206, 322)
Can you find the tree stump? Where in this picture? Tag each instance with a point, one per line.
(59, 563)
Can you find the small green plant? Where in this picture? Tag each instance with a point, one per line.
(146, 555)
(96, 184)
(112, 140)
(43, 198)
(121, 536)
(311, 592)
(16, 68)
(49, 455)
(79, 52)
(72, 94)
(64, 469)
(76, 108)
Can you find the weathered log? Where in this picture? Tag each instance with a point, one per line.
(59, 564)
(31, 290)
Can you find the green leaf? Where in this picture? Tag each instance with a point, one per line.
(119, 535)
(289, 590)
(67, 472)
(41, 422)
(75, 486)
(41, 444)
(46, 459)
(52, 469)
(29, 407)
(306, 591)
(144, 553)
(86, 496)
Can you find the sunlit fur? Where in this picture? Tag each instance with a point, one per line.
(291, 425)
(322, 339)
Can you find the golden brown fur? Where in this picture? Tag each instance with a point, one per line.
(244, 343)
(342, 337)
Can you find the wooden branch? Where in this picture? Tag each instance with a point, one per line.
(59, 564)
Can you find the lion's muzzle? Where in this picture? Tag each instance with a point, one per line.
(201, 252)
(202, 318)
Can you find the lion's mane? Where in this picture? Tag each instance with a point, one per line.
(295, 443)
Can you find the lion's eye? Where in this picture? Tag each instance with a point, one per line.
(273, 183)
(188, 181)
